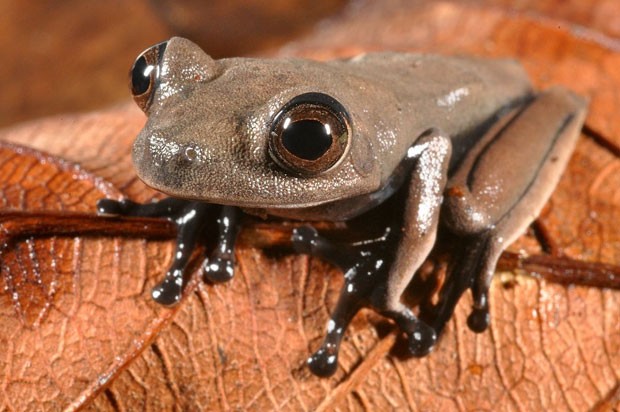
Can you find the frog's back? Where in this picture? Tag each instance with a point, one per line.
(455, 94)
(441, 85)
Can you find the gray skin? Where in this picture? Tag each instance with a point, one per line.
(487, 150)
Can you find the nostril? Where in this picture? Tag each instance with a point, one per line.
(190, 154)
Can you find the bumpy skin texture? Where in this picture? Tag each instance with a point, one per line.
(456, 145)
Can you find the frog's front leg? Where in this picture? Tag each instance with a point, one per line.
(499, 189)
(191, 218)
(370, 279)
(219, 267)
(352, 298)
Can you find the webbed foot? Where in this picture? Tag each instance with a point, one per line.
(306, 239)
(471, 268)
(220, 266)
(421, 338)
(365, 272)
(366, 276)
(191, 219)
(479, 318)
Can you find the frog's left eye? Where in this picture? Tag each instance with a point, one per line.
(310, 134)
(144, 75)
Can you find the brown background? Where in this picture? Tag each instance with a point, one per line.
(73, 55)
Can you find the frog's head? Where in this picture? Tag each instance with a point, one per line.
(250, 132)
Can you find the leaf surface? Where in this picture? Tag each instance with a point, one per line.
(243, 345)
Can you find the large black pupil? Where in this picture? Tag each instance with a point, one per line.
(140, 81)
(306, 139)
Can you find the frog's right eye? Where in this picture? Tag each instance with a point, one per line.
(310, 134)
(144, 75)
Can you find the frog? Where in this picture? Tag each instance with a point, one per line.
(457, 149)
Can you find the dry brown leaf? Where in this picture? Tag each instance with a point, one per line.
(243, 345)
(276, 21)
(69, 312)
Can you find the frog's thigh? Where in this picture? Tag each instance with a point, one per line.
(499, 189)
(505, 180)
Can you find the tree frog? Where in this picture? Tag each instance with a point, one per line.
(460, 146)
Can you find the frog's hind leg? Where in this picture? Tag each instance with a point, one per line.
(365, 278)
(499, 189)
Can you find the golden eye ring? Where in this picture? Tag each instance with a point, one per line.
(144, 75)
(310, 134)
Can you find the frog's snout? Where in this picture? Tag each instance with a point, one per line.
(159, 161)
(154, 148)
